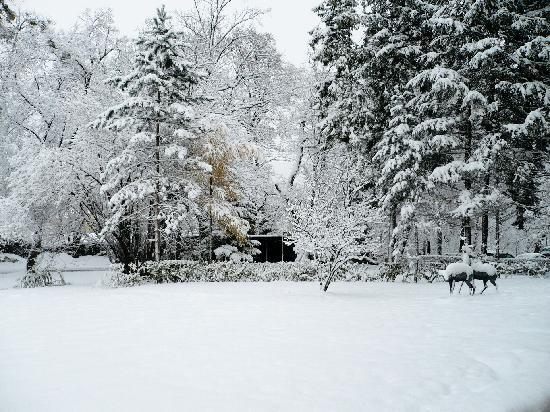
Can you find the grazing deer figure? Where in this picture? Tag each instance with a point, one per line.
(486, 273)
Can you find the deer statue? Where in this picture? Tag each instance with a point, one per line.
(486, 273)
(461, 272)
(468, 272)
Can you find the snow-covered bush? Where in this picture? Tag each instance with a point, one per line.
(7, 259)
(15, 246)
(118, 278)
(182, 271)
(390, 271)
(429, 266)
(40, 278)
(511, 267)
(194, 271)
(41, 272)
(233, 254)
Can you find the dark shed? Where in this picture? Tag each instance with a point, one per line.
(273, 249)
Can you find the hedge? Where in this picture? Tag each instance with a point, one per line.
(178, 271)
(181, 271)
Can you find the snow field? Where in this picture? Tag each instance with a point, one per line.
(275, 347)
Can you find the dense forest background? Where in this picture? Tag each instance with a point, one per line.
(419, 127)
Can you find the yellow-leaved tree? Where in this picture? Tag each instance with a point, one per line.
(223, 191)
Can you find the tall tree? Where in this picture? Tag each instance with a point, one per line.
(523, 97)
(253, 91)
(395, 39)
(336, 52)
(483, 42)
(158, 159)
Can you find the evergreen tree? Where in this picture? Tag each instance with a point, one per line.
(481, 41)
(158, 165)
(434, 89)
(338, 100)
(391, 53)
(523, 97)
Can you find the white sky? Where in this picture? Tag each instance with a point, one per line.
(289, 20)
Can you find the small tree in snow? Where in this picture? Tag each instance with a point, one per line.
(331, 234)
(334, 223)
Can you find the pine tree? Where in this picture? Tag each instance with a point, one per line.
(524, 101)
(434, 89)
(158, 163)
(482, 41)
(450, 138)
(335, 51)
(390, 55)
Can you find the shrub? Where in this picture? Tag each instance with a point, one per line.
(533, 267)
(7, 259)
(179, 271)
(16, 247)
(427, 266)
(40, 278)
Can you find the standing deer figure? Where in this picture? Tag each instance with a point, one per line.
(486, 273)
(460, 272)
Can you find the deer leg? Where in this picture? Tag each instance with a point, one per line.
(484, 287)
(460, 289)
(494, 283)
(472, 287)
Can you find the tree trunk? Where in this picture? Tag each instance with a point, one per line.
(33, 255)
(439, 241)
(299, 163)
(156, 207)
(392, 226)
(416, 241)
(497, 234)
(327, 281)
(466, 235)
(484, 232)
(211, 223)
(520, 217)
(467, 221)
(485, 220)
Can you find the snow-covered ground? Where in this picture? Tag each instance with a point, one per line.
(275, 347)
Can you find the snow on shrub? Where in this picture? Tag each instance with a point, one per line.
(7, 259)
(503, 267)
(40, 278)
(535, 267)
(117, 278)
(232, 253)
(41, 274)
(179, 271)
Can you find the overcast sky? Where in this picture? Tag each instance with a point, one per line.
(289, 20)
